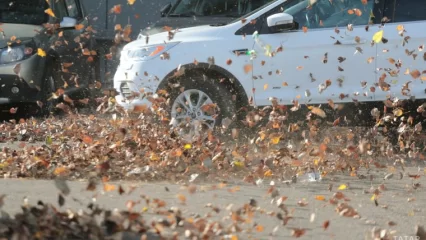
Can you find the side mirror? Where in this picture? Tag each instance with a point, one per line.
(68, 22)
(165, 9)
(281, 21)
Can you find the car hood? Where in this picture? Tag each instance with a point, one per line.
(20, 31)
(184, 22)
(194, 34)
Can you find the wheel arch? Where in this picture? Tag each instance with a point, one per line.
(212, 71)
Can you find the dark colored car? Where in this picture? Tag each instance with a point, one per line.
(188, 13)
(46, 52)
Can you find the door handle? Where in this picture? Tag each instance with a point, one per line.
(240, 51)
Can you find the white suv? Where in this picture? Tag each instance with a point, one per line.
(294, 51)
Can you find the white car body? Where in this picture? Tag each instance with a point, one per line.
(299, 71)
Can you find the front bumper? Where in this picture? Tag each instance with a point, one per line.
(28, 82)
(134, 81)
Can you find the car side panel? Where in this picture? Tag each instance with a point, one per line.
(401, 62)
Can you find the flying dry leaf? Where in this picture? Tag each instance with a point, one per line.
(415, 74)
(78, 27)
(305, 29)
(248, 68)
(49, 12)
(131, 2)
(320, 197)
(109, 187)
(326, 224)
(357, 12)
(265, 86)
(268, 173)
(342, 187)
(60, 170)
(13, 110)
(87, 139)
(41, 52)
(117, 27)
(181, 198)
(298, 232)
(229, 62)
(260, 228)
(377, 37)
(116, 9)
(318, 112)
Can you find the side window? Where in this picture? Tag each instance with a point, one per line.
(59, 9)
(409, 10)
(325, 13)
(332, 13)
(72, 9)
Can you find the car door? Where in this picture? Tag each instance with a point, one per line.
(328, 56)
(73, 45)
(401, 60)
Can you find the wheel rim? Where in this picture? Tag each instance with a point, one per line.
(193, 113)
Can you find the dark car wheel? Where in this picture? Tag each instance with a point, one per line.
(200, 106)
(48, 103)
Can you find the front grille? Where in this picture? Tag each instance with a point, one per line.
(125, 90)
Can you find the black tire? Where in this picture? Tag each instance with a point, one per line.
(48, 87)
(216, 91)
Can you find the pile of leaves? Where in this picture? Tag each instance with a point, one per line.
(119, 144)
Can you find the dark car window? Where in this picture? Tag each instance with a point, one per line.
(408, 10)
(320, 14)
(60, 9)
(72, 8)
(24, 11)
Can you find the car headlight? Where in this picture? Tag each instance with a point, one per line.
(147, 52)
(16, 53)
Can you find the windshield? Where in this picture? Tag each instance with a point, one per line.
(23, 11)
(228, 8)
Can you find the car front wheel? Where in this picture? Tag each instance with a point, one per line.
(199, 105)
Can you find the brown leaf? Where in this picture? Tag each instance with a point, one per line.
(415, 74)
(181, 198)
(116, 9)
(305, 29)
(49, 12)
(117, 27)
(13, 110)
(248, 68)
(260, 228)
(87, 139)
(120, 190)
(79, 27)
(318, 112)
(326, 224)
(298, 232)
